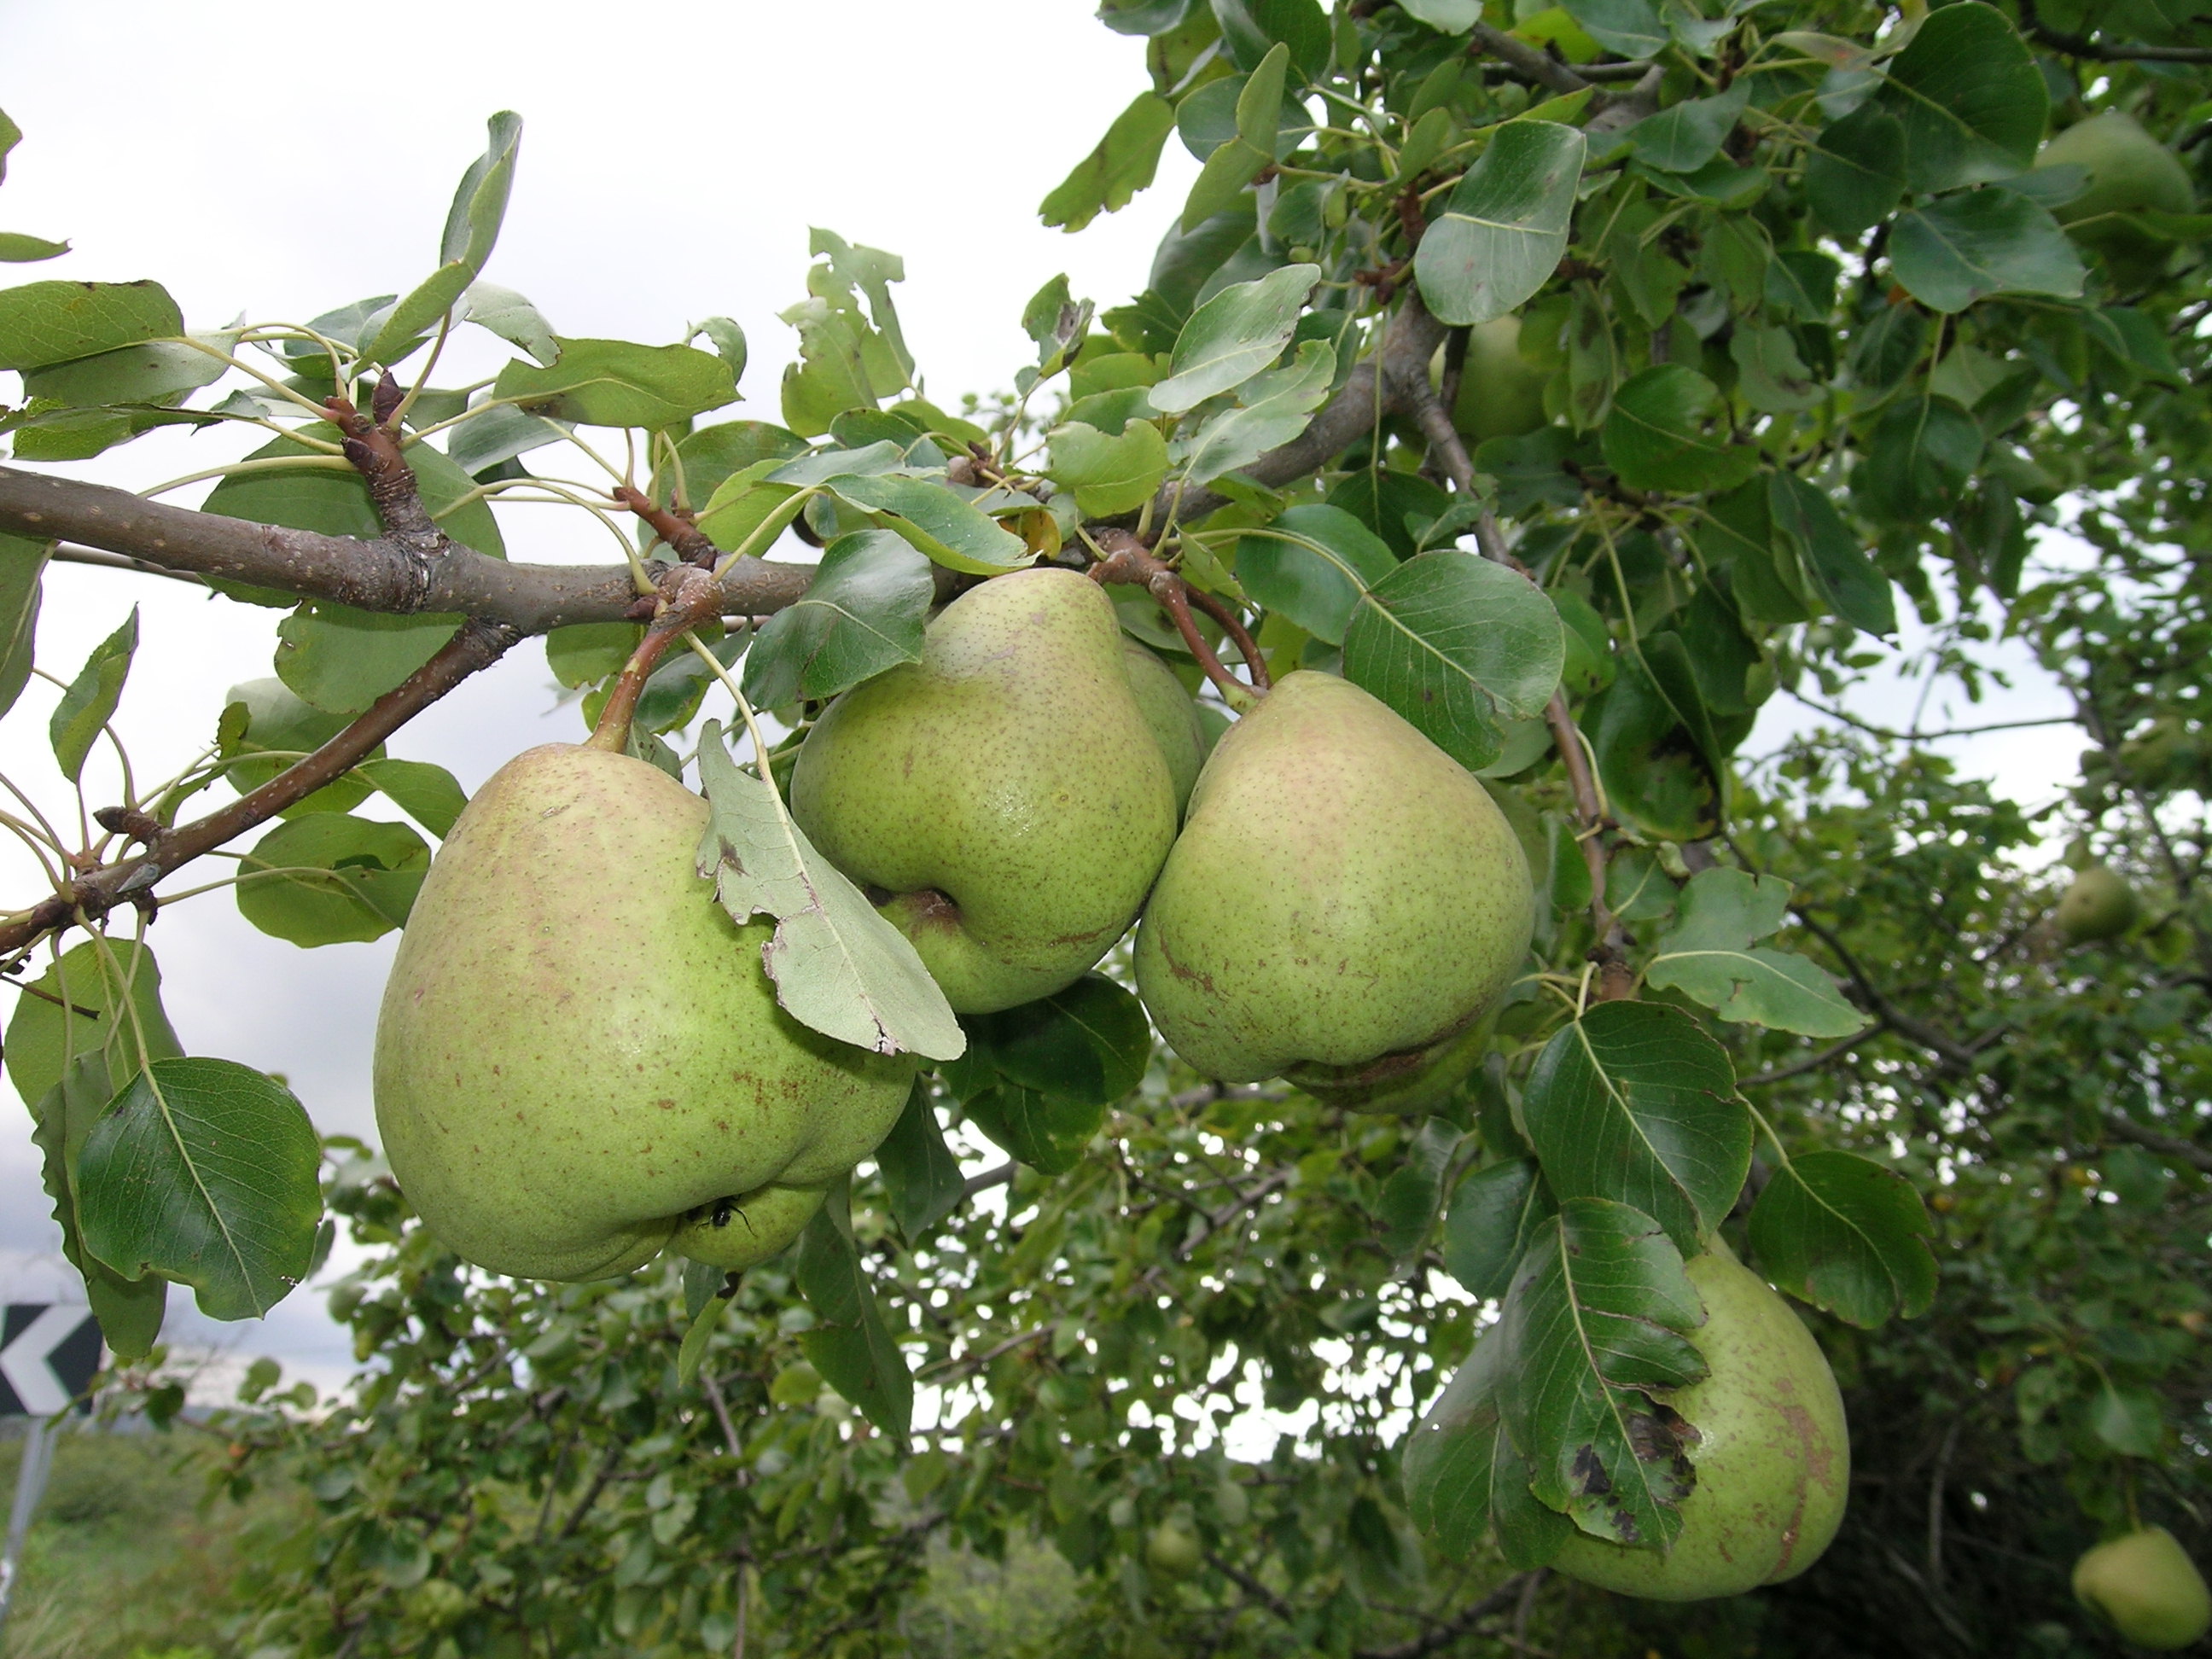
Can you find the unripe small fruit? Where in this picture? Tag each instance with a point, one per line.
(1172, 1549)
(1501, 393)
(2129, 171)
(2098, 905)
(2147, 1587)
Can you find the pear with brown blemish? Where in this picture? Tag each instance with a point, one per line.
(1343, 904)
(1005, 795)
(580, 1058)
(1772, 1455)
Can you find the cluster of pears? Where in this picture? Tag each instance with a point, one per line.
(580, 1061)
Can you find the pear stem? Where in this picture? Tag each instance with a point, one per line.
(1128, 560)
(688, 595)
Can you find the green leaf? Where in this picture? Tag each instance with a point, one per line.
(1234, 164)
(1501, 233)
(497, 433)
(838, 966)
(502, 312)
(1684, 137)
(471, 227)
(1803, 514)
(946, 528)
(1142, 17)
(1845, 1234)
(129, 1313)
(203, 1171)
(1656, 434)
(713, 453)
(270, 720)
(1854, 172)
(1464, 1477)
(921, 1177)
(1272, 409)
(154, 371)
(617, 383)
(2131, 1420)
(850, 1346)
(1037, 1078)
(1965, 247)
(862, 613)
(1109, 473)
(1652, 766)
(1459, 647)
(1711, 957)
(1253, 28)
(22, 565)
(1406, 1207)
(71, 1010)
(426, 794)
(18, 249)
(1494, 1214)
(1968, 97)
(329, 879)
(1122, 163)
(728, 339)
(341, 661)
(705, 1320)
(1771, 376)
(1629, 27)
(1313, 565)
(1446, 17)
(1635, 1103)
(89, 701)
(1233, 337)
(1600, 1310)
(55, 322)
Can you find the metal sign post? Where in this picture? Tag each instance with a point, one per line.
(49, 1352)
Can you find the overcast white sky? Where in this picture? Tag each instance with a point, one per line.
(277, 160)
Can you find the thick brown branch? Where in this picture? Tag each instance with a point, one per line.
(477, 645)
(1533, 62)
(384, 574)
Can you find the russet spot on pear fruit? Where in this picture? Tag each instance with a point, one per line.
(1344, 902)
(1006, 792)
(579, 1056)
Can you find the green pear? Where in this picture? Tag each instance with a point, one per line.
(2097, 905)
(1501, 393)
(579, 1056)
(1172, 1548)
(1773, 1457)
(2129, 171)
(1343, 896)
(2147, 1587)
(1172, 715)
(1006, 791)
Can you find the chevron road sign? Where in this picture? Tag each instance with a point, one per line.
(48, 1352)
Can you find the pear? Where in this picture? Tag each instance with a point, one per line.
(2147, 1587)
(2129, 171)
(2098, 905)
(1343, 896)
(1005, 791)
(1172, 714)
(1501, 393)
(1773, 1457)
(580, 1055)
(1172, 1548)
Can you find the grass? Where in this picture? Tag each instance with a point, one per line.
(128, 1558)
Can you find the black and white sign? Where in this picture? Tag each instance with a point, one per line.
(48, 1353)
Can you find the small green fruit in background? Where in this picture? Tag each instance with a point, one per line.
(579, 1056)
(1005, 791)
(796, 1384)
(1344, 896)
(2098, 905)
(1172, 1548)
(1172, 715)
(2147, 1587)
(1501, 394)
(1772, 1455)
(2129, 171)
